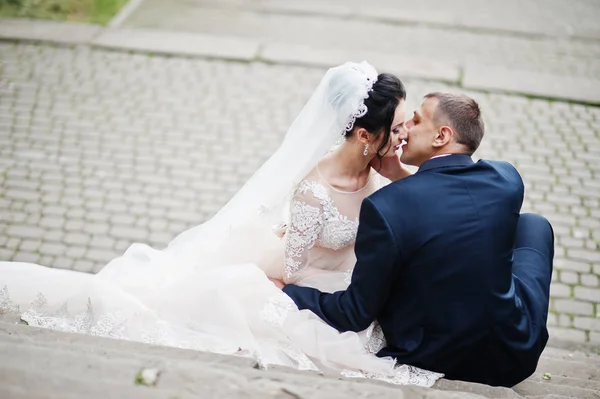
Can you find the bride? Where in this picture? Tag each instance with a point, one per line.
(295, 220)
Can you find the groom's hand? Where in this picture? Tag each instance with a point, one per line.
(390, 167)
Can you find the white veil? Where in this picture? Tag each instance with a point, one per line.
(156, 296)
(242, 230)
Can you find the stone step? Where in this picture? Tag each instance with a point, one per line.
(577, 354)
(80, 361)
(580, 369)
(36, 384)
(47, 362)
(529, 388)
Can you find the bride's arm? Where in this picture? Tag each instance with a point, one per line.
(378, 260)
(306, 223)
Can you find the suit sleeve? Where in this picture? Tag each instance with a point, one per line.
(377, 260)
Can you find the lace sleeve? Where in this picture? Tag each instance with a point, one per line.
(305, 225)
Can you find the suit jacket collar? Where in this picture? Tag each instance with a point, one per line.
(450, 160)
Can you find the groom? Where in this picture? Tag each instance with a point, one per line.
(457, 278)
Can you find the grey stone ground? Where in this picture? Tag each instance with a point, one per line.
(556, 54)
(100, 149)
(546, 48)
(50, 364)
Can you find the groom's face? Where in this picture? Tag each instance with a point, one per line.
(422, 132)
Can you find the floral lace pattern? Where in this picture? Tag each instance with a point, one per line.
(375, 338)
(111, 325)
(403, 375)
(318, 224)
(305, 225)
(277, 309)
(7, 306)
(275, 313)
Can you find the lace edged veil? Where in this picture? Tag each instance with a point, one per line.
(241, 230)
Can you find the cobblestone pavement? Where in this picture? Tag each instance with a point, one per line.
(101, 149)
(538, 36)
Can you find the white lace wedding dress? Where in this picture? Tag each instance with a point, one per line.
(209, 289)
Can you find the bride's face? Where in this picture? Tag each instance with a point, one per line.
(397, 132)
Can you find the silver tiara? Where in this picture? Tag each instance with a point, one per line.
(361, 109)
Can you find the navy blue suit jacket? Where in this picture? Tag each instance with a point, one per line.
(434, 267)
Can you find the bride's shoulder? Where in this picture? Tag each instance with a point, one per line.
(312, 184)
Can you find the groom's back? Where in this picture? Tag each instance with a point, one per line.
(455, 228)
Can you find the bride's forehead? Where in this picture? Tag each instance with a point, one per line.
(400, 111)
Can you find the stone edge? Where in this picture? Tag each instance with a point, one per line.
(470, 76)
(494, 78)
(411, 17)
(177, 43)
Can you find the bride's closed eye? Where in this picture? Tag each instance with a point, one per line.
(396, 130)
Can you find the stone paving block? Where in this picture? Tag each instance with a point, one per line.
(568, 277)
(30, 245)
(128, 233)
(575, 307)
(572, 265)
(100, 241)
(74, 225)
(63, 263)
(77, 238)
(52, 249)
(587, 323)
(27, 257)
(590, 280)
(560, 291)
(102, 256)
(586, 255)
(50, 222)
(13, 243)
(564, 320)
(54, 235)
(75, 252)
(567, 334)
(83, 265)
(46, 259)
(25, 231)
(588, 294)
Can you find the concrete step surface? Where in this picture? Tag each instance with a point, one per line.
(39, 363)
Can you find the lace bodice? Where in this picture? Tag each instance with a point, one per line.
(322, 228)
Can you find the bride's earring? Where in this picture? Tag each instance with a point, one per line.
(366, 151)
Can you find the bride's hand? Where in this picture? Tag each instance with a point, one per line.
(278, 283)
(390, 167)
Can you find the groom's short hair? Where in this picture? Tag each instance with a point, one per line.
(463, 115)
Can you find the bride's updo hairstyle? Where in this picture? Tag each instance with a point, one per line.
(381, 105)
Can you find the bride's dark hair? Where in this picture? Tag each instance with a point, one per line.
(381, 107)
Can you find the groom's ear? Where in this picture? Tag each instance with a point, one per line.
(443, 137)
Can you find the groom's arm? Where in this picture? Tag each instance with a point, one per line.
(377, 257)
